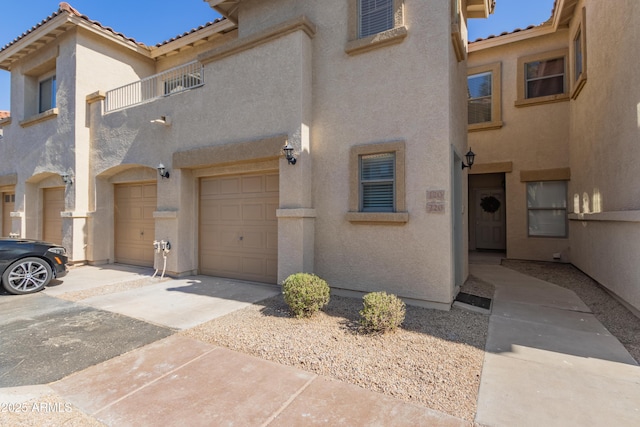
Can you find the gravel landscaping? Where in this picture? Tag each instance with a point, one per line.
(434, 359)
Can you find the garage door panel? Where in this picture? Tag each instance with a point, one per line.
(238, 231)
(272, 183)
(252, 184)
(229, 185)
(253, 212)
(229, 212)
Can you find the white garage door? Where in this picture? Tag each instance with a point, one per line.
(134, 223)
(239, 228)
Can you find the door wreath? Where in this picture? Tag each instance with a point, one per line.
(490, 204)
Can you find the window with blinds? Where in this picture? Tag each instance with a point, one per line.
(377, 182)
(480, 97)
(375, 16)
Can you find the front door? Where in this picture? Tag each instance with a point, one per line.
(134, 223)
(490, 218)
(8, 206)
(53, 199)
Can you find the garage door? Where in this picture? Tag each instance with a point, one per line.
(239, 228)
(134, 223)
(53, 204)
(8, 206)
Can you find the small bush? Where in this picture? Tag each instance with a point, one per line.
(382, 312)
(305, 294)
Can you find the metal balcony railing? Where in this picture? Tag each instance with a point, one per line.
(174, 80)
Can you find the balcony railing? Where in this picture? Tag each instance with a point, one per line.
(175, 80)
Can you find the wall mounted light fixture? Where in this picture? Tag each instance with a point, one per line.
(66, 178)
(470, 156)
(164, 173)
(288, 153)
(163, 120)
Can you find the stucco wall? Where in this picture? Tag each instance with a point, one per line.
(605, 237)
(532, 137)
(405, 96)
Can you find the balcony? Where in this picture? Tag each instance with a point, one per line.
(170, 82)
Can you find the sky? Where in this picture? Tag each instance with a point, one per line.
(154, 21)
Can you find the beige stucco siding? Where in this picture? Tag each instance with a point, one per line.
(532, 138)
(605, 236)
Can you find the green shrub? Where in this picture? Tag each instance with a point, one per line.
(305, 294)
(382, 312)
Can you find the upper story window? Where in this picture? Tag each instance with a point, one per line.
(579, 56)
(375, 16)
(47, 94)
(484, 97)
(542, 78)
(374, 24)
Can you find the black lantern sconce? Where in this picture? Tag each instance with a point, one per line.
(470, 156)
(164, 173)
(288, 153)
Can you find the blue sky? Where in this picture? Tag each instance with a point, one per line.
(152, 22)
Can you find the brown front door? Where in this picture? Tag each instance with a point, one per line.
(134, 223)
(490, 218)
(238, 227)
(8, 206)
(53, 204)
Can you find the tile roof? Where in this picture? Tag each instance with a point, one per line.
(65, 7)
(193, 30)
(4, 114)
(517, 30)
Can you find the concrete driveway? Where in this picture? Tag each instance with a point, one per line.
(97, 313)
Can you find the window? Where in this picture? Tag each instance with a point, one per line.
(484, 93)
(375, 23)
(375, 16)
(542, 78)
(377, 183)
(579, 57)
(47, 94)
(547, 208)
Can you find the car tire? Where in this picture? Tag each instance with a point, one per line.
(27, 275)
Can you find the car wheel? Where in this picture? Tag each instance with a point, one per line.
(26, 276)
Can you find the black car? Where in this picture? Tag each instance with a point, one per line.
(28, 266)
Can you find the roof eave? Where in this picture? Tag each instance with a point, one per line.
(193, 38)
(480, 8)
(511, 38)
(51, 30)
(227, 8)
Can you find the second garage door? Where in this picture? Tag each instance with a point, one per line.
(239, 228)
(134, 223)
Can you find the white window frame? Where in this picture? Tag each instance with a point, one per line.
(496, 96)
(370, 182)
(561, 206)
(523, 100)
(399, 213)
(52, 95)
(360, 43)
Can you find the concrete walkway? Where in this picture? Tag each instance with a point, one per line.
(179, 381)
(549, 361)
